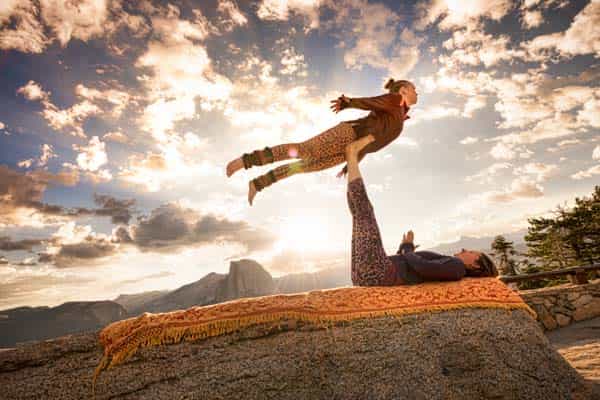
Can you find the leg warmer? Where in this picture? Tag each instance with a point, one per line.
(258, 157)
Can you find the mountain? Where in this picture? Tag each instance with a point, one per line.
(38, 323)
(131, 302)
(197, 293)
(303, 282)
(246, 278)
(481, 243)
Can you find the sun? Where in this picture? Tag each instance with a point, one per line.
(307, 234)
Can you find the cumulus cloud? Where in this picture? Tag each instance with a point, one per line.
(33, 91)
(116, 99)
(520, 188)
(277, 10)
(581, 37)
(452, 14)
(172, 226)
(502, 151)
(21, 195)
(181, 72)
(92, 156)
(30, 26)
(26, 34)
(230, 15)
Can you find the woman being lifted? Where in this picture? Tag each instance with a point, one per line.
(326, 150)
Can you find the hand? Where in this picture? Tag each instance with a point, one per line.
(339, 103)
(408, 237)
(342, 173)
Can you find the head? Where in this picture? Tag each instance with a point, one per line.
(478, 264)
(406, 88)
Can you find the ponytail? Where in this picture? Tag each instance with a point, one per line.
(394, 86)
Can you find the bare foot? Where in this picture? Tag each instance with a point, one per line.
(251, 192)
(234, 166)
(353, 148)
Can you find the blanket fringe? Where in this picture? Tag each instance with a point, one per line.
(175, 332)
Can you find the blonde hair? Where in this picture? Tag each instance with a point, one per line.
(394, 86)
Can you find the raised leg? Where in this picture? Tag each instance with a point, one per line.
(370, 264)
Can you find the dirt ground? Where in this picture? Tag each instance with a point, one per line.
(579, 344)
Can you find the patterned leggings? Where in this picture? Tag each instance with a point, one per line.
(320, 152)
(370, 265)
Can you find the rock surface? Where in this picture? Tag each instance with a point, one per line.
(459, 354)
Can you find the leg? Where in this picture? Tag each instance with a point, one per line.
(370, 265)
(328, 143)
(287, 170)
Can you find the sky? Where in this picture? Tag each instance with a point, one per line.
(117, 120)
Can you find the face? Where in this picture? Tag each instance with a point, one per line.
(410, 94)
(468, 257)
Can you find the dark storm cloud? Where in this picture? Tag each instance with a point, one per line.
(172, 226)
(7, 244)
(119, 211)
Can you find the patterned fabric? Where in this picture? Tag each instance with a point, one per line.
(123, 338)
(320, 152)
(370, 264)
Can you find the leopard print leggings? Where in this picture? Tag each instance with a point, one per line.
(320, 152)
(370, 265)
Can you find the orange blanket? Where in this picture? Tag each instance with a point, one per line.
(122, 339)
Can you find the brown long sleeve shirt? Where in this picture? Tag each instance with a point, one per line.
(385, 121)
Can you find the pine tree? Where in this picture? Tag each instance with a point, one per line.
(502, 250)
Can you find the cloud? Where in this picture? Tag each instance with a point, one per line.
(541, 171)
(119, 210)
(596, 153)
(172, 226)
(520, 188)
(281, 10)
(83, 21)
(25, 33)
(33, 91)
(487, 174)
(580, 38)
(502, 151)
(532, 19)
(116, 136)
(588, 173)
(47, 153)
(7, 244)
(230, 15)
(116, 99)
(92, 156)
(469, 140)
(21, 196)
(452, 14)
(181, 71)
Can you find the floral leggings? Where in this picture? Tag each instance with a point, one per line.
(370, 265)
(320, 152)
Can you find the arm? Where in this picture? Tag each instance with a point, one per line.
(387, 102)
(444, 268)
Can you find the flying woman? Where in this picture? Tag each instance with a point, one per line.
(326, 150)
(371, 266)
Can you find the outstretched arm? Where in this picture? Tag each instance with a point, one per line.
(386, 102)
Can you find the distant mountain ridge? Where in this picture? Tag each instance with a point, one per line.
(481, 244)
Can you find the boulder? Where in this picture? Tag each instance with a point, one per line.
(465, 353)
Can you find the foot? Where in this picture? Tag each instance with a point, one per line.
(234, 166)
(353, 148)
(251, 192)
